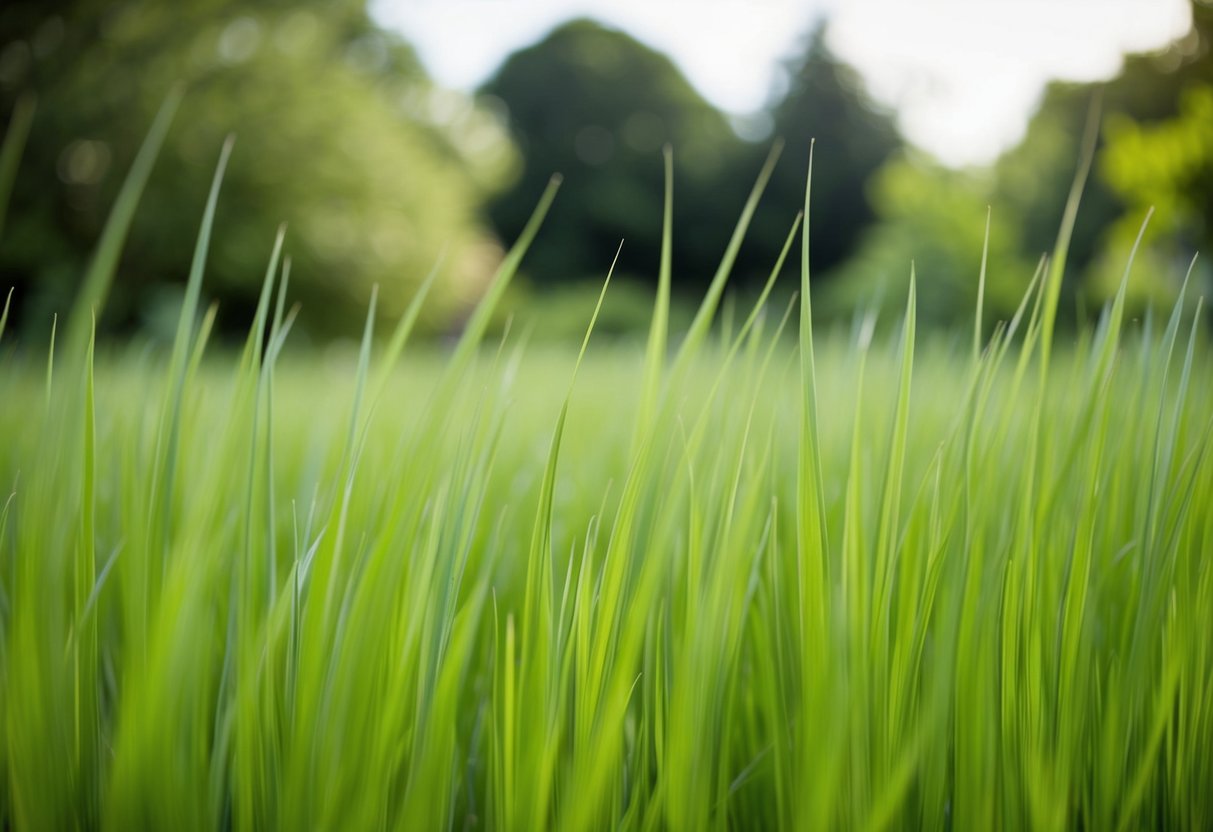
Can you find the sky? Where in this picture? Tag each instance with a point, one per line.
(963, 75)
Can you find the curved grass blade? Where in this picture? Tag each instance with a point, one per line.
(660, 325)
(100, 275)
(707, 309)
(10, 152)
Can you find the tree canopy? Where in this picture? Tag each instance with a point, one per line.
(1154, 151)
(825, 99)
(596, 105)
(338, 133)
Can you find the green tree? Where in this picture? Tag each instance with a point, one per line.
(1149, 155)
(1168, 166)
(1163, 159)
(825, 100)
(339, 134)
(934, 217)
(596, 106)
(1155, 150)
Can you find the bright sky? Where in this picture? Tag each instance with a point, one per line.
(964, 75)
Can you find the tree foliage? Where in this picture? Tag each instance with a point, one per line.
(825, 100)
(595, 105)
(1155, 151)
(935, 218)
(339, 134)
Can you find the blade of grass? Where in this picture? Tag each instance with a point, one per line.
(707, 308)
(10, 151)
(91, 298)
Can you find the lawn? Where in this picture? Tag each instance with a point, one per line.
(734, 577)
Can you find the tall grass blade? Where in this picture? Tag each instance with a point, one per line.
(10, 151)
(100, 275)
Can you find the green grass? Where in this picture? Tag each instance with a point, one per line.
(748, 580)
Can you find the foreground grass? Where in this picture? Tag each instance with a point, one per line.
(407, 614)
(752, 581)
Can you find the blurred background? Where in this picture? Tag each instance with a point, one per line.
(386, 133)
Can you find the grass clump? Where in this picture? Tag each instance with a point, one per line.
(863, 582)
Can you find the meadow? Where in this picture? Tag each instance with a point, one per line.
(737, 577)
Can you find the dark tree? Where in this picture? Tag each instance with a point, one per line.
(825, 100)
(596, 106)
(337, 135)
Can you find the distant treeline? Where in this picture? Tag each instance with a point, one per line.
(380, 174)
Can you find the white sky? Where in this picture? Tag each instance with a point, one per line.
(964, 75)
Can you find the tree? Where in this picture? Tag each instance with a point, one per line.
(1167, 166)
(935, 218)
(825, 100)
(1163, 159)
(1154, 151)
(1149, 155)
(339, 134)
(596, 105)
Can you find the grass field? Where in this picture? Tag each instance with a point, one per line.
(734, 579)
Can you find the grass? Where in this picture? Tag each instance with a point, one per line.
(860, 581)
